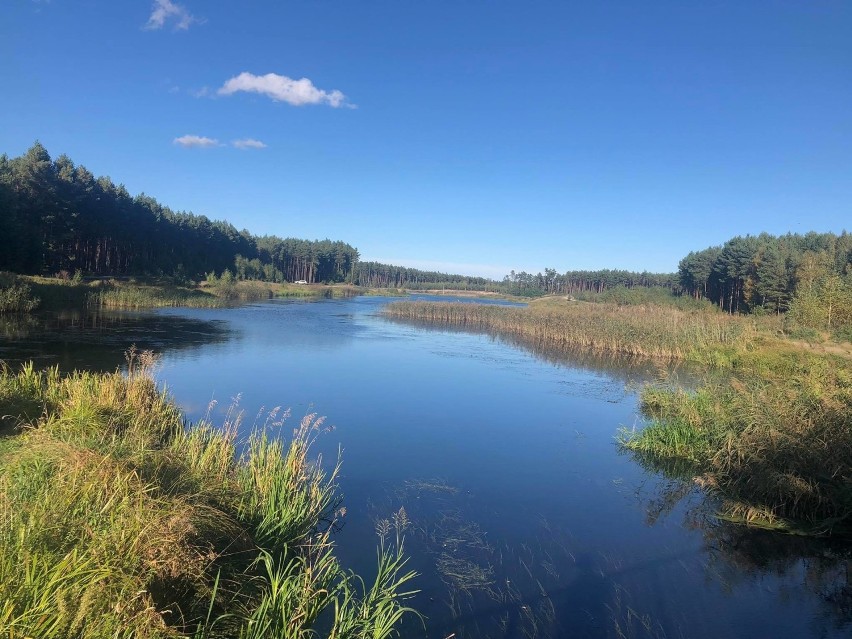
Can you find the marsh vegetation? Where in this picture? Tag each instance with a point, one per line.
(657, 332)
(773, 437)
(119, 520)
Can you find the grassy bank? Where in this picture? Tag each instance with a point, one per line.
(22, 294)
(117, 520)
(776, 448)
(145, 295)
(334, 291)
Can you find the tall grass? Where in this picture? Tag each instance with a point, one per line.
(135, 296)
(118, 520)
(16, 295)
(657, 332)
(335, 291)
(776, 449)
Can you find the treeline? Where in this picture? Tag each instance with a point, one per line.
(291, 259)
(56, 216)
(576, 282)
(378, 275)
(768, 272)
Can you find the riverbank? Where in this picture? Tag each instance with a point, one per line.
(24, 293)
(769, 434)
(118, 520)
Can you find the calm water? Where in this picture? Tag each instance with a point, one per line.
(526, 520)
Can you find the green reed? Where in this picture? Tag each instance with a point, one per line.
(116, 519)
(776, 449)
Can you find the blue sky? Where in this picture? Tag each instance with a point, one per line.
(468, 136)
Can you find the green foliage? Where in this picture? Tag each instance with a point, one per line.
(56, 217)
(824, 304)
(764, 271)
(117, 520)
(17, 299)
(16, 296)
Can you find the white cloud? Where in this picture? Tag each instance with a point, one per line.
(167, 11)
(248, 143)
(283, 89)
(188, 141)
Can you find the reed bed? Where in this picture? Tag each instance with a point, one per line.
(656, 332)
(136, 296)
(117, 520)
(773, 440)
(777, 451)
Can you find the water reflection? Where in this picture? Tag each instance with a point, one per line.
(97, 340)
(738, 555)
(623, 368)
(534, 525)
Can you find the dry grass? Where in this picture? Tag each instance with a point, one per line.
(657, 332)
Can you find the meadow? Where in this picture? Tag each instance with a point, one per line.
(20, 294)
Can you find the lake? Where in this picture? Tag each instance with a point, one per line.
(526, 519)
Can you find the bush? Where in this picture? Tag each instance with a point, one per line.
(17, 298)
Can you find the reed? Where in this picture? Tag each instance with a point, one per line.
(137, 296)
(17, 298)
(318, 291)
(116, 519)
(777, 449)
(656, 332)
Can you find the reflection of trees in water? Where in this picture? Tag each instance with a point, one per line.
(97, 340)
(16, 326)
(738, 554)
(482, 586)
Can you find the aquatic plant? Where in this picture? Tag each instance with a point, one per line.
(657, 332)
(134, 296)
(777, 448)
